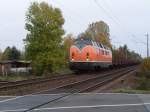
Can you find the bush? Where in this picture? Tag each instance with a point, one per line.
(144, 84)
(144, 75)
(145, 66)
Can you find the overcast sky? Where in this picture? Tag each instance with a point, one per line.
(129, 20)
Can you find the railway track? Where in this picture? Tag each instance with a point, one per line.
(87, 85)
(23, 87)
(10, 86)
(60, 84)
(6, 84)
(3, 82)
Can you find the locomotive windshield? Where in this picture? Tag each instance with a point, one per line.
(82, 43)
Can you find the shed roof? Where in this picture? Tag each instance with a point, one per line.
(14, 61)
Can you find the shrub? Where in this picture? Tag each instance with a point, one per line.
(144, 75)
(145, 66)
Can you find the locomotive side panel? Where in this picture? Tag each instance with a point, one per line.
(89, 56)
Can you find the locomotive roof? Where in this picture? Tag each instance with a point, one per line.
(87, 39)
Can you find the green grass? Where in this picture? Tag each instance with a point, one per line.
(64, 71)
(16, 77)
(132, 91)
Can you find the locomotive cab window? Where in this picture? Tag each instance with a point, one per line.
(104, 47)
(82, 43)
(97, 44)
(101, 45)
(94, 44)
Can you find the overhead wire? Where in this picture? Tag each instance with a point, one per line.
(115, 19)
(105, 11)
(109, 13)
(132, 35)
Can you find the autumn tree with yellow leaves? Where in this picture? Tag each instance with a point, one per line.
(98, 31)
(144, 74)
(68, 41)
(145, 66)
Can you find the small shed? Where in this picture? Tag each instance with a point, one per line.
(15, 66)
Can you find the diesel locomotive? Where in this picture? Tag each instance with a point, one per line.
(89, 54)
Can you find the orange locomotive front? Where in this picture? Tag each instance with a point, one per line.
(88, 54)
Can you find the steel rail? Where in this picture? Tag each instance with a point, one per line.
(11, 85)
(122, 72)
(71, 86)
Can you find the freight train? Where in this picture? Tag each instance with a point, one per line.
(86, 54)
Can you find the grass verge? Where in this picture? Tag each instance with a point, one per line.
(132, 91)
(19, 76)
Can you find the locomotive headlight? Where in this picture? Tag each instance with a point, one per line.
(72, 56)
(87, 56)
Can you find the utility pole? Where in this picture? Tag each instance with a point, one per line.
(147, 35)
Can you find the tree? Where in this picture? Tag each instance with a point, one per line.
(11, 53)
(68, 41)
(6, 54)
(0, 55)
(98, 31)
(43, 41)
(145, 65)
(15, 53)
(22, 56)
(144, 74)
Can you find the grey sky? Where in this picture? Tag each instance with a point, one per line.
(129, 20)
